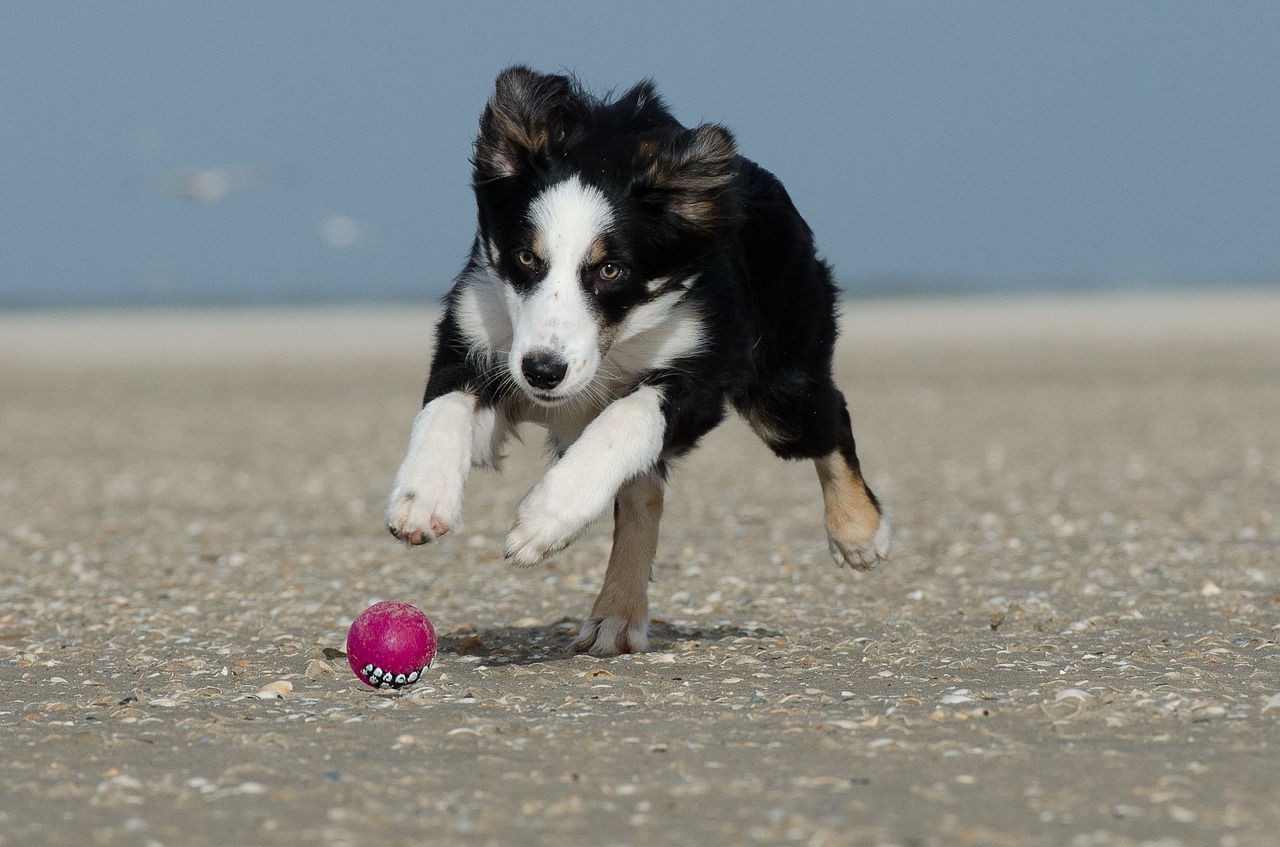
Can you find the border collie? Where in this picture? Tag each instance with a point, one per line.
(630, 279)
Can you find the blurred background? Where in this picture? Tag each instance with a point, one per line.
(286, 152)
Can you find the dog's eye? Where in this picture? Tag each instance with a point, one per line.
(526, 258)
(610, 272)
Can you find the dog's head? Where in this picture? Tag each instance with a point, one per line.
(594, 218)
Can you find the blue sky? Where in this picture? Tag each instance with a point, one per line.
(322, 148)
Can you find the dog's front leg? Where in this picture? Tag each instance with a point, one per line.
(426, 499)
(624, 441)
(619, 621)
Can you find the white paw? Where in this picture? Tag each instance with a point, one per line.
(546, 523)
(861, 555)
(426, 499)
(417, 514)
(611, 636)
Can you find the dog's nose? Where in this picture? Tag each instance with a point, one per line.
(543, 369)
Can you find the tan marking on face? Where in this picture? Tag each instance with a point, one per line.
(597, 253)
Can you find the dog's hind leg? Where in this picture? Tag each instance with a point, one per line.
(811, 421)
(619, 621)
(857, 530)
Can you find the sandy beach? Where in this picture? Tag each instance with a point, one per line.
(1073, 643)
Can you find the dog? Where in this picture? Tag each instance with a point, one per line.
(630, 280)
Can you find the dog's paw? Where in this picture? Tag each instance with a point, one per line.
(546, 523)
(861, 553)
(612, 636)
(416, 517)
(529, 543)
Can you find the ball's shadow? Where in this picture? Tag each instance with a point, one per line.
(526, 645)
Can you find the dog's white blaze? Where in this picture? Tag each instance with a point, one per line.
(568, 218)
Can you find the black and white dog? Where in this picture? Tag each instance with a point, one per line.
(630, 278)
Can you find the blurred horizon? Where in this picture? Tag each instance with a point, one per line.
(290, 153)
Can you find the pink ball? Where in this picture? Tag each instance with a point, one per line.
(390, 645)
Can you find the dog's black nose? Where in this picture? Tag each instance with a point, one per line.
(543, 369)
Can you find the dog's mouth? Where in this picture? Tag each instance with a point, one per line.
(546, 399)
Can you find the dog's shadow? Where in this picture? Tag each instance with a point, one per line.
(526, 645)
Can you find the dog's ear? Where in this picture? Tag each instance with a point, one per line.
(691, 175)
(528, 111)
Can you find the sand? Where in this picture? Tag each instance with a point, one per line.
(1074, 643)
